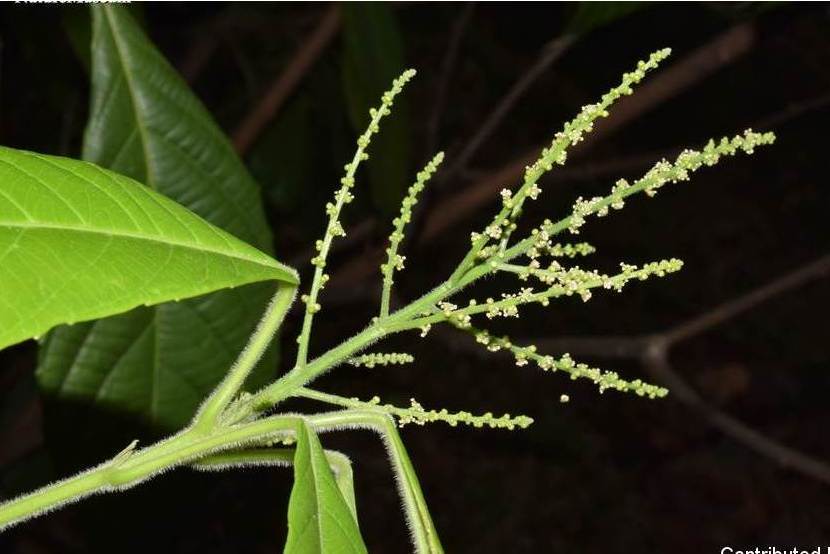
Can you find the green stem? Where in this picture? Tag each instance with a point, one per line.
(257, 344)
(334, 228)
(246, 457)
(131, 468)
(205, 437)
(46, 499)
(302, 375)
(257, 457)
(423, 529)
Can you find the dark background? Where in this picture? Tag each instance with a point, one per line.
(610, 474)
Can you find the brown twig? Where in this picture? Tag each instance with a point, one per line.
(552, 51)
(447, 68)
(693, 68)
(197, 56)
(657, 365)
(253, 124)
(733, 308)
(634, 347)
(652, 351)
(209, 35)
(794, 111)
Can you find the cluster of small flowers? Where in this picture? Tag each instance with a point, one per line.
(381, 358)
(573, 280)
(691, 160)
(447, 308)
(394, 260)
(603, 379)
(344, 196)
(581, 209)
(453, 315)
(630, 271)
(579, 281)
(560, 282)
(312, 307)
(282, 441)
(541, 244)
(502, 226)
(507, 307)
(574, 130)
(559, 250)
(572, 133)
(486, 252)
(662, 173)
(416, 414)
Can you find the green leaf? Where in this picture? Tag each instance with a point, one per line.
(144, 122)
(78, 242)
(373, 58)
(319, 518)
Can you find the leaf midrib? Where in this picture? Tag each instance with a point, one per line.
(320, 506)
(142, 131)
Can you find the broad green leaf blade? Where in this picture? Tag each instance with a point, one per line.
(319, 519)
(373, 58)
(161, 362)
(78, 242)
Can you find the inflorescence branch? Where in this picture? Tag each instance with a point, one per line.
(504, 223)
(395, 261)
(381, 358)
(491, 252)
(662, 173)
(564, 282)
(417, 414)
(605, 380)
(333, 209)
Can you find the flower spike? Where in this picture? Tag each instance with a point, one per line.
(342, 196)
(381, 358)
(394, 260)
(418, 415)
(572, 133)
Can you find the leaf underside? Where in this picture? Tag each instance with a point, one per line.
(159, 362)
(319, 518)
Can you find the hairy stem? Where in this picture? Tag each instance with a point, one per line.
(133, 467)
(424, 534)
(334, 229)
(340, 465)
(257, 344)
(302, 375)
